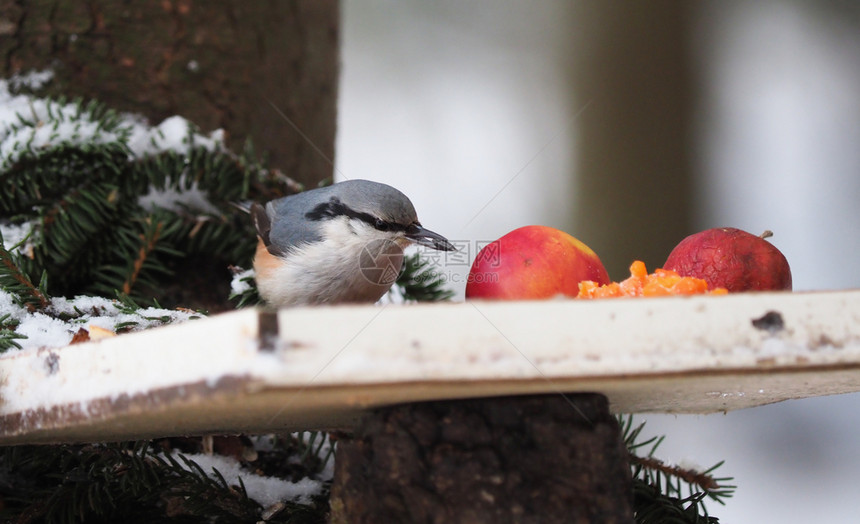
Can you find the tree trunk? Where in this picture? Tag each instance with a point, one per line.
(540, 459)
(218, 63)
(634, 194)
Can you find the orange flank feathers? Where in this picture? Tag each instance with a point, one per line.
(661, 282)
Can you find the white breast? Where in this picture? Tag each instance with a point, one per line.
(356, 263)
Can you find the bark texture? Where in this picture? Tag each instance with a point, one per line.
(539, 459)
(219, 63)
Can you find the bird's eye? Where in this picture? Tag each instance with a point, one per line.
(381, 225)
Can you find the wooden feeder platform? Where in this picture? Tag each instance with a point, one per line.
(259, 371)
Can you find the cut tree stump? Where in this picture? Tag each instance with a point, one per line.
(547, 459)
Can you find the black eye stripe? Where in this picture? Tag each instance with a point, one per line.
(335, 208)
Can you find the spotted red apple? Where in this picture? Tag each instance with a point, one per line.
(731, 258)
(533, 262)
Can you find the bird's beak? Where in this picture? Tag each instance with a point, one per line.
(425, 237)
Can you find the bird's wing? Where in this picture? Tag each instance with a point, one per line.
(261, 222)
(282, 224)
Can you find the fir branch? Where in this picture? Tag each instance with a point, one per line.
(8, 336)
(82, 186)
(704, 481)
(659, 489)
(137, 260)
(133, 483)
(655, 507)
(75, 236)
(148, 239)
(244, 291)
(419, 282)
(16, 282)
(193, 492)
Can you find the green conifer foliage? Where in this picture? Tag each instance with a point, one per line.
(93, 228)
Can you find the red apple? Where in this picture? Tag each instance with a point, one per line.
(533, 262)
(730, 258)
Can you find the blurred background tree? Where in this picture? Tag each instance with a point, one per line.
(636, 142)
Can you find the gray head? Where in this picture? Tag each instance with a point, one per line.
(378, 205)
(381, 201)
(294, 220)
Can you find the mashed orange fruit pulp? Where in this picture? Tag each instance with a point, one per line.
(661, 282)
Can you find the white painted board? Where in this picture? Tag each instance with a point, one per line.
(303, 368)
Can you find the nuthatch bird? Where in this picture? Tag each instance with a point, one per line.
(335, 244)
